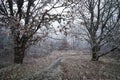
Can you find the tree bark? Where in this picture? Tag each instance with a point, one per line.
(19, 55)
(95, 51)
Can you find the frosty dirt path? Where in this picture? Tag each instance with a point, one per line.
(77, 66)
(64, 65)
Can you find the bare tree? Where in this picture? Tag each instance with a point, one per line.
(26, 20)
(97, 17)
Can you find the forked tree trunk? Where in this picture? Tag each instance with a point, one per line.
(19, 55)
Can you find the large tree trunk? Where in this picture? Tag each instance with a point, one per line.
(19, 55)
(95, 51)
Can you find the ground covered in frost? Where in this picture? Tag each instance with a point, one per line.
(63, 65)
